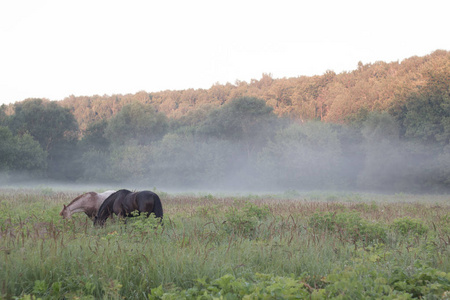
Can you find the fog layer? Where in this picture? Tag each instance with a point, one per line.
(239, 146)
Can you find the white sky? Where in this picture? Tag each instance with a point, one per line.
(56, 48)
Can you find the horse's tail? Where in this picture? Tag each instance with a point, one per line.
(157, 207)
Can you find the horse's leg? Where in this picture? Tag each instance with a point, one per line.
(122, 217)
(145, 207)
(118, 211)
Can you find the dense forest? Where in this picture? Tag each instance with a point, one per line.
(383, 126)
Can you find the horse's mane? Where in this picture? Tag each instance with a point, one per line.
(81, 196)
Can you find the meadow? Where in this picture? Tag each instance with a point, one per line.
(292, 245)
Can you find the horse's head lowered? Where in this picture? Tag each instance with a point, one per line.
(98, 221)
(65, 213)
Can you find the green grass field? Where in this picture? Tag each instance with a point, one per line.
(315, 245)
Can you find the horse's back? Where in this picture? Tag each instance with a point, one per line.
(101, 197)
(146, 194)
(110, 201)
(105, 195)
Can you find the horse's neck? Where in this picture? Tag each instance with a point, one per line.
(75, 207)
(78, 206)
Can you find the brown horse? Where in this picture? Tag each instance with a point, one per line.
(89, 203)
(124, 202)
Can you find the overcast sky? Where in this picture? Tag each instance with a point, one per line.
(53, 49)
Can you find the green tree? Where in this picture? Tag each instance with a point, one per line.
(7, 149)
(94, 137)
(95, 157)
(3, 116)
(96, 166)
(56, 130)
(137, 123)
(246, 120)
(191, 121)
(130, 163)
(20, 153)
(29, 155)
(426, 114)
(46, 121)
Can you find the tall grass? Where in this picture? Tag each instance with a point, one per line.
(311, 236)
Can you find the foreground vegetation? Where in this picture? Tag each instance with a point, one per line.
(287, 246)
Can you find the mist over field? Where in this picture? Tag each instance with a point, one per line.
(383, 127)
(284, 157)
(258, 154)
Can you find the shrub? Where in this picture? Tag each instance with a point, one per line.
(243, 221)
(408, 226)
(349, 226)
(143, 224)
(424, 282)
(260, 286)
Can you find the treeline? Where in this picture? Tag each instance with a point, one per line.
(399, 143)
(329, 97)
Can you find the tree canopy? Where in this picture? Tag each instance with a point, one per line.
(46, 121)
(330, 97)
(137, 122)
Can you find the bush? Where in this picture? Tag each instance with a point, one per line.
(349, 226)
(243, 221)
(408, 226)
(424, 282)
(260, 286)
(361, 281)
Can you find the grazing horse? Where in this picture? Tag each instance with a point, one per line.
(89, 203)
(124, 202)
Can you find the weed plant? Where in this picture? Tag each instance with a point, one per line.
(289, 246)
